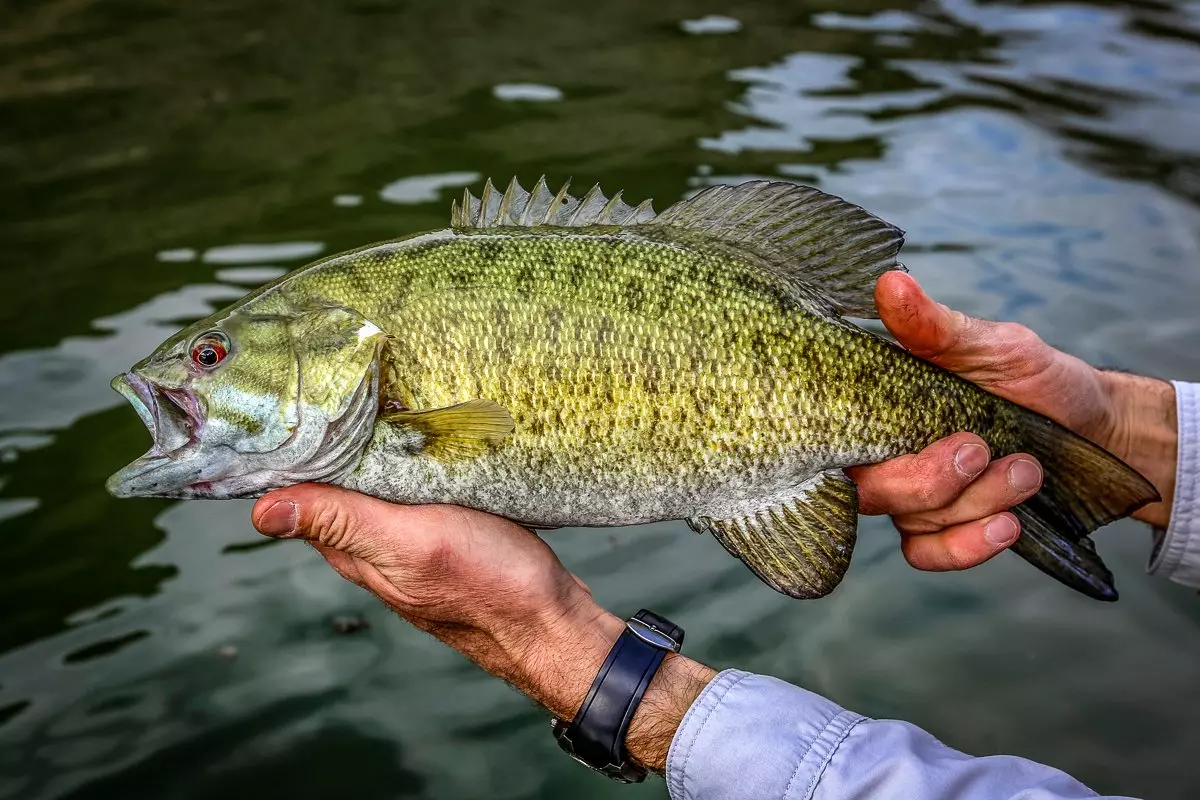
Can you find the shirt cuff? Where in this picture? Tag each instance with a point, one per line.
(1176, 553)
(775, 738)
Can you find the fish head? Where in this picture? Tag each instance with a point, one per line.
(239, 404)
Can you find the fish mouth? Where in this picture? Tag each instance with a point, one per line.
(174, 465)
(171, 415)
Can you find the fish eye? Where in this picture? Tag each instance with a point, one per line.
(210, 349)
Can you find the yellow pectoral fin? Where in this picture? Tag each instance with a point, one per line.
(466, 430)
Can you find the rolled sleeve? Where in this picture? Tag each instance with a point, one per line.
(1176, 553)
(751, 737)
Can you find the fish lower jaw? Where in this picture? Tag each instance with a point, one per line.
(185, 472)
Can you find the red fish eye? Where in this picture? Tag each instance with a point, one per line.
(210, 349)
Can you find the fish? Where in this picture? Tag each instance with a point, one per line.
(579, 361)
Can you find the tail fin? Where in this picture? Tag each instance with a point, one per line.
(1085, 487)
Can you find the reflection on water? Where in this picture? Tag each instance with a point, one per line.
(535, 92)
(160, 160)
(418, 189)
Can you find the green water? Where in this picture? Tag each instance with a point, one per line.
(159, 159)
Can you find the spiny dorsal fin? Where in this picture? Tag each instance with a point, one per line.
(522, 209)
(466, 430)
(801, 548)
(828, 248)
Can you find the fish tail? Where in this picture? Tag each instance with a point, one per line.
(1085, 487)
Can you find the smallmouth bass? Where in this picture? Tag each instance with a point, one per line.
(578, 361)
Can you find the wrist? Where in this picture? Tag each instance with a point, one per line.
(676, 685)
(1145, 435)
(562, 661)
(559, 668)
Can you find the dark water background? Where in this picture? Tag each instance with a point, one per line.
(159, 159)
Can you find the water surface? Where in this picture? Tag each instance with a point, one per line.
(158, 160)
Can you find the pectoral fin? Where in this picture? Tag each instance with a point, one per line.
(466, 430)
(801, 547)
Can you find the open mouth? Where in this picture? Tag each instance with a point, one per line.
(171, 415)
(175, 465)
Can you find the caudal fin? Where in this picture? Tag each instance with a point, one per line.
(1085, 487)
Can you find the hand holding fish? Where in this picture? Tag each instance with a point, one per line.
(490, 589)
(948, 502)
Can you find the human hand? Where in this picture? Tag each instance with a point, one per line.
(949, 501)
(490, 589)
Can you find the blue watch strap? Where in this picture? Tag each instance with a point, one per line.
(597, 734)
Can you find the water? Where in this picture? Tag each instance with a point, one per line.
(160, 159)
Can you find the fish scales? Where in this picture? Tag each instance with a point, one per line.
(628, 363)
(564, 361)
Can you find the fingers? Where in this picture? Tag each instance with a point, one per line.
(976, 525)
(962, 546)
(950, 338)
(1005, 483)
(926, 328)
(948, 502)
(371, 532)
(923, 481)
(334, 519)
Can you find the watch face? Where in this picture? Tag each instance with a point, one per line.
(652, 636)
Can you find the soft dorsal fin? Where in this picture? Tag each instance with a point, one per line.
(519, 208)
(827, 247)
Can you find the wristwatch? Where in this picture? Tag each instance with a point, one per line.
(596, 737)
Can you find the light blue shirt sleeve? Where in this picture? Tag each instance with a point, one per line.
(1176, 553)
(751, 737)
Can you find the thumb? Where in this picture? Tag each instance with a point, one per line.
(927, 328)
(334, 518)
(934, 332)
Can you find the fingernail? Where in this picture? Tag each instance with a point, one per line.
(279, 519)
(971, 459)
(1001, 532)
(1024, 475)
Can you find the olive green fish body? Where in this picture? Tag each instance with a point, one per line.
(580, 362)
(647, 379)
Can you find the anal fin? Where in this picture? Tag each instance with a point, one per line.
(801, 547)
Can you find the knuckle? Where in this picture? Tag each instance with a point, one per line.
(960, 327)
(932, 493)
(331, 524)
(1017, 338)
(935, 475)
